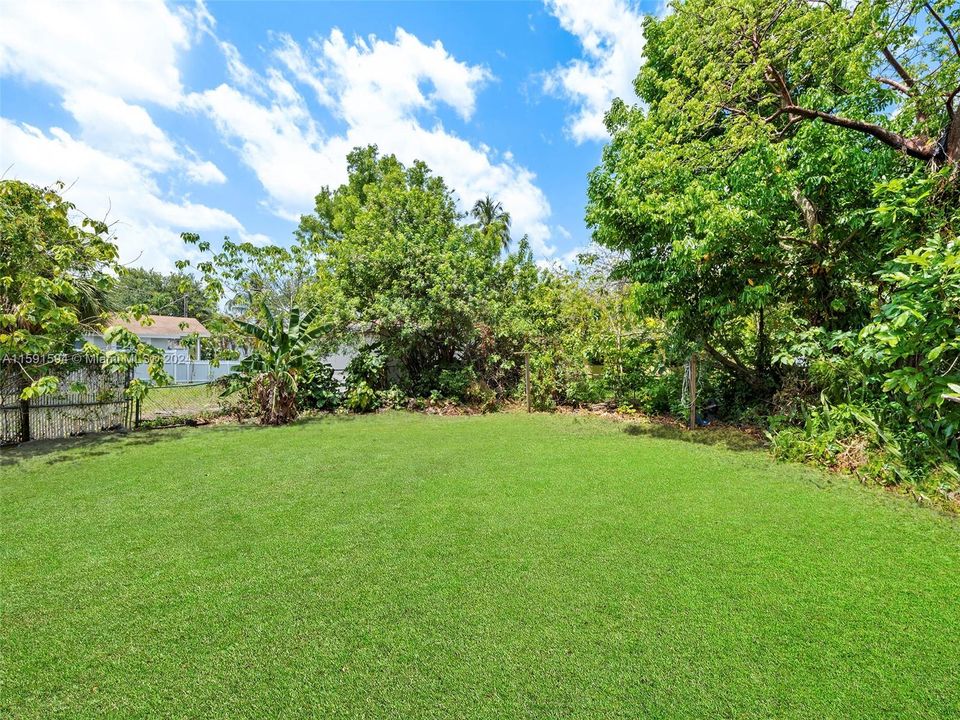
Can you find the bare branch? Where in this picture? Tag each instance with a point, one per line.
(775, 78)
(895, 85)
(808, 210)
(950, 99)
(732, 364)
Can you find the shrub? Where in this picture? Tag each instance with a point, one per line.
(361, 398)
(394, 398)
(454, 383)
(366, 366)
(282, 358)
(318, 388)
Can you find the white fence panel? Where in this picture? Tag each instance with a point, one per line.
(192, 371)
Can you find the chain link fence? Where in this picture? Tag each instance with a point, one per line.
(178, 402)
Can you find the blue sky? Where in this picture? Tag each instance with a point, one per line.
(226, 118)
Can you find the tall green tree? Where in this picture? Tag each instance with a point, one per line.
(395, 254)
(886, 70)
(791, 175)
(57, 269)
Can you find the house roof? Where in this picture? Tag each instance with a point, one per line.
(163, 326)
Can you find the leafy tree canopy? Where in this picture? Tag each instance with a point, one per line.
(395, 254)
(784, 196)
(160, 294)
(57, 269)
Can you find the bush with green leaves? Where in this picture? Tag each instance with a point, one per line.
(368, 366)
(361, 398)
(279, 373)
(318, 388)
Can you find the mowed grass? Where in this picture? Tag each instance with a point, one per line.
(405, 566)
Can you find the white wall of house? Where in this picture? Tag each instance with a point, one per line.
(339, 360)
(176, 360)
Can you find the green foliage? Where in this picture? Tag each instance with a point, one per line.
(317, 388)
(493, 222)
(393, 398)
(367, 366)
(282, 374)
(361, 398)
(56, 274)
(391, 250)
(157, 294)
(914, 342)
(772, 211)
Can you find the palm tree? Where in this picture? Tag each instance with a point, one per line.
(493, 220)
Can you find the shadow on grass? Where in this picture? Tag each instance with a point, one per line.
(727, 437)
(83, 446)
(103, 443)
(98, 444)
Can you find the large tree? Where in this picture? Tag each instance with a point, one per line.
(791, 167)
(396, 254)
(888, 70)
(160, 294)
(729, 199)
(57, 268)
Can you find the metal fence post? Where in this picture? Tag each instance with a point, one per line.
(24, 420)
(693, 391)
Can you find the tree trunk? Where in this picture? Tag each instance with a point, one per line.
(952, 142)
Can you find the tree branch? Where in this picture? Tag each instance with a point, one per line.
(808, 210)
(946, 28)
(895, 85)
(950, 98)
(900, 69)
(775, 78)
(912, 147)
(734, 366)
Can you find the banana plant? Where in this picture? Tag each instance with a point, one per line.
(283, 353)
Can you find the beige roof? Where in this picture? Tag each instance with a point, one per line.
(163, 326)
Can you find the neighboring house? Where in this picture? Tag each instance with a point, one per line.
(181, 357)
(166, 332)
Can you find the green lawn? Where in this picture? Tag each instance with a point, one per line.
(407, 566)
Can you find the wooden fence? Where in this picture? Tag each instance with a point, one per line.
(89, 400)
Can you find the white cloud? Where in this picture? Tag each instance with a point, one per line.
(129, 132)
(106, 186)
(280, 143)
(382, 79)
(112, 62)
(379, 90)
(126, 49)
(105, 58)
(204, 172)
(611, 35)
